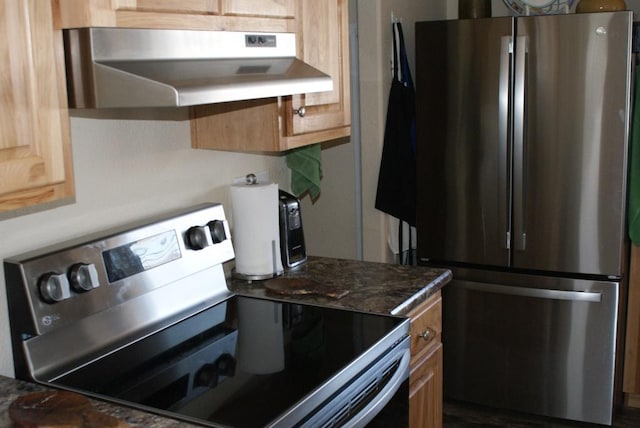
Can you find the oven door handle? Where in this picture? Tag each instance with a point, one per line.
(384, 396)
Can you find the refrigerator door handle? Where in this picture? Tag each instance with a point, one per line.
(542, 293)
(506, 49)
(519, 140)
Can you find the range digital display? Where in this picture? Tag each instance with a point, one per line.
(139, 256)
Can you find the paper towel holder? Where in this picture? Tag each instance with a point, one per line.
(277, 271)
(252, 180)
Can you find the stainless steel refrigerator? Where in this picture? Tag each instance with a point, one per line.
(522, 141)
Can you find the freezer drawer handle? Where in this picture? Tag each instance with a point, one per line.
(542, 293)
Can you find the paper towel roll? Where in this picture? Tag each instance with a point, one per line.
(256, 230)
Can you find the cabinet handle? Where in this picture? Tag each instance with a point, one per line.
(426, 335)
(301, 111)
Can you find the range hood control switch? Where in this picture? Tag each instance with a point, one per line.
(260, 40)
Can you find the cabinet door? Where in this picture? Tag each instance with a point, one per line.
(231, 15)
(270, 125)
(631, 383)
(171, 6)
(323, 42)
(425, 390)
(35, 146)
(273, 8)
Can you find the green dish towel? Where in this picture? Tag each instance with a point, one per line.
(634, 168)
(306, 169)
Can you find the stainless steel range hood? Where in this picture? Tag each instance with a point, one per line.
(116, 67)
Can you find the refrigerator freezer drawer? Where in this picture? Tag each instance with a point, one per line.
(546, 346)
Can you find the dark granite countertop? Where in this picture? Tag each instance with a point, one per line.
(372, 287)
(10, 389)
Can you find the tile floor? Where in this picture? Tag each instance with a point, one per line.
(464, 415)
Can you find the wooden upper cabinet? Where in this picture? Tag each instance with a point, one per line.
(325, 45)
(272, 8)
(35, 149)
(271, 125)
(266, 125)
(233, 15)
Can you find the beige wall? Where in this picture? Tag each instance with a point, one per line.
(330, 221)
(127, 170)
(375, 38)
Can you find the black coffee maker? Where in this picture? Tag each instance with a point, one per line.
(292, 246)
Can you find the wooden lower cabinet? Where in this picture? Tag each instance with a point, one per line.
(425, 379)
(425, 390)
(631, 382)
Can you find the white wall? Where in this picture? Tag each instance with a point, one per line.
(330, 222)
(375, 44)
(126, 170)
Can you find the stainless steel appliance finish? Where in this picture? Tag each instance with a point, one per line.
(532, 343)
(123, 67)
(142, 316)
(522, 157)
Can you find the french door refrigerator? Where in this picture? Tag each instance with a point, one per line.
(522, 140)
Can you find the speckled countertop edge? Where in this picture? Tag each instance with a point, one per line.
(11, 389)
(372, 287)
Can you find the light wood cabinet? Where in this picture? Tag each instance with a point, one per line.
(265, 125)
(35, 149)
(425, 379)
(272, 124)
(232, 15)
(631, 381)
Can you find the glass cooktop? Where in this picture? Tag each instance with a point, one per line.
(240, 363)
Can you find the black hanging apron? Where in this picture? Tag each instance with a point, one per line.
(396, 194)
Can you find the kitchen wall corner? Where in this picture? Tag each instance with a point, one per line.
(126, 170)
(375, 44)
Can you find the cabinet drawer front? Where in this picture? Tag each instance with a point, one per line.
(426, 324)
(425, 391)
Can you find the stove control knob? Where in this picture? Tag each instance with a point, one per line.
(198, 237)
(83, 277)
(54, 287)
(216, 228)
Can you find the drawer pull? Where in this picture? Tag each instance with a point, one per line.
(426, 335)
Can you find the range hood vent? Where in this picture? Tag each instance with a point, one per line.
(118, 67)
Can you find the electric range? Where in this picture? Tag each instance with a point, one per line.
(141, 315)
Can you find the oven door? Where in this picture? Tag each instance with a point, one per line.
(373, 397)
(258, 363)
